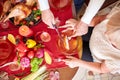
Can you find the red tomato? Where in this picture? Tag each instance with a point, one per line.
(45, 37)
(31, 23)
(30, 54)
(38, 17)
(35, 8)
(24, 21)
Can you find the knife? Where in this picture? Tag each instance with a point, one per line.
(56, 28)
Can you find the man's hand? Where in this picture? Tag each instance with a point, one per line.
(79, 28)
(48, 18)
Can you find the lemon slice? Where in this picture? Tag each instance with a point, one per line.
(11, 38)
(48, 59)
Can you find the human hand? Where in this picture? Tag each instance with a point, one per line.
(48, 18)
(71, 61)
(79, 28)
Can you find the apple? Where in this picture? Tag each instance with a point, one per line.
(30, 54)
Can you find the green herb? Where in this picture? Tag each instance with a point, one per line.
(35, 62)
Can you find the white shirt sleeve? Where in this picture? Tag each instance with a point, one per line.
(44, 5)
(91, 10)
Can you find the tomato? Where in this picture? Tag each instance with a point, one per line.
(24, 22)
(31, 23)
(38, 17)
(45, 37)
(30, 54)
(34, 8)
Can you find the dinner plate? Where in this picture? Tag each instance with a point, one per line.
(7, 53)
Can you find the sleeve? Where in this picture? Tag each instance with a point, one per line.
(113, 65)
(44, 5)
(91, 10)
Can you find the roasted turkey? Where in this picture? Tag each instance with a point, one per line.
(19, 12)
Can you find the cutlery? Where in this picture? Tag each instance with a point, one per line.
(56, 28)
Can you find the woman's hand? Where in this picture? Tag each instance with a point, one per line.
(71, 61)
(48, 18)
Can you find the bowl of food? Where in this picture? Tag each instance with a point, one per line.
(70, 46)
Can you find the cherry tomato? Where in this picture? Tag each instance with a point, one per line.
(38, 17)
(34, 8)
(30, 54)
(24, 21)
(31, 23)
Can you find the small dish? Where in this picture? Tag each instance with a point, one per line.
(73, 44)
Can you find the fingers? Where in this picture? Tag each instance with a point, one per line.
(66, 26)
(70, 57)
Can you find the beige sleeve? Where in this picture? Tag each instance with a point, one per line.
(91, 10)
(113, 65)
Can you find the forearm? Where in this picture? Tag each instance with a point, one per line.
(44, 5)
(94, 66)
(91, 11)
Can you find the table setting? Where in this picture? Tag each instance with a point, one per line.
(30, 47)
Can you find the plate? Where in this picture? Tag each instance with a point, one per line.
(75, 46)
(6, 51)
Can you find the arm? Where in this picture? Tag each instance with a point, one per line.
(93, 66)
(46, 13)
(44, 5)
(91, 10)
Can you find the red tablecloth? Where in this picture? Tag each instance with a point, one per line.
(63, 15)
